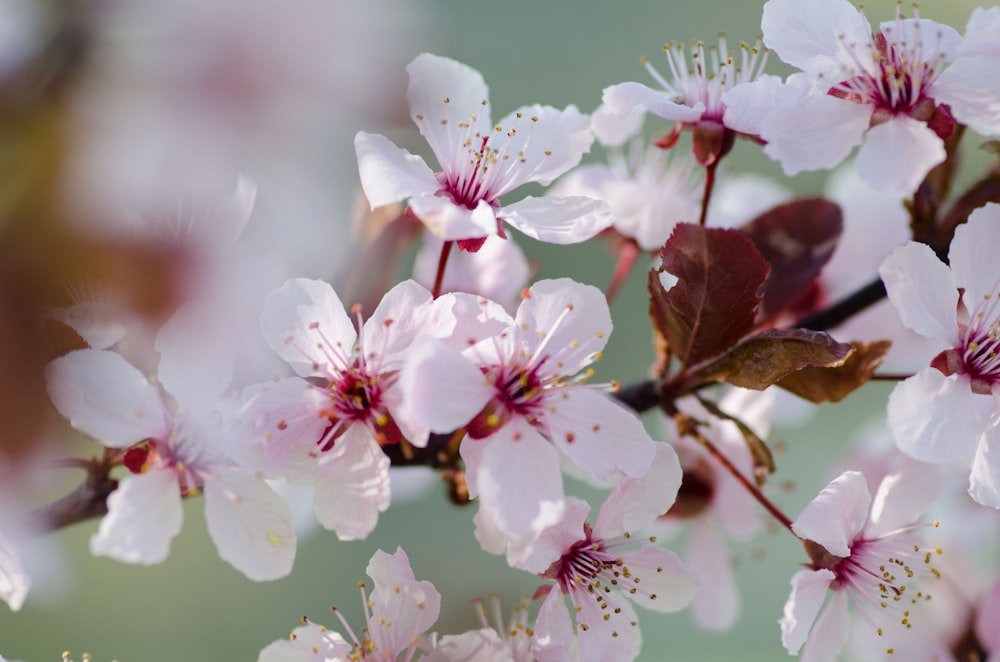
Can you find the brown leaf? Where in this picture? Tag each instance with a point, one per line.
(771, 355)
(796, 239)
(763, 459)
(720, 276)
(834, 384)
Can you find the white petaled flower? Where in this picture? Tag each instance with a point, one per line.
(648, 192)
(513, 385)
(493, 642)
(398, 612)
(970, 85)
(877, 91)
(498, 271)
(864, 552)
(480, 161)
(602, 569)
(948, 413)
(697, 92)
(328, 425)
(173, 451)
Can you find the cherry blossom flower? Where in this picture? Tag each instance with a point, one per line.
(970, 84)
(697, 96)
(328, 424)
(856, 88)
(596, 569)
(172, 451)
(647, 191)
(512, 389)
(398, 612)
(493, 642)
(497, 271)
(865, 552)
(947, 412)
(480, 162)
(716, 504)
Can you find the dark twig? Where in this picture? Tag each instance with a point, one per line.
(87, 501)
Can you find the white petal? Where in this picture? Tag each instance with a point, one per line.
(808, 130)
(14, 580)
(748, 103)
(250, 524)
(558, 220)
(278, 418)
(923, 292)
(196, 357)
(352, 486)
(808, 592)
(518, 479)
(837, 514)
(305, 324)
(106, 397)
(498, 271)
(617, 638)
(984, 479)
(969, 87)
(934, 418)
(716, 605)
(988, 620)
(99, 323)
(396, 322)
(613, 130)
(635, 503)
(390, 174)
(483, 645)
(624, 98)
(898, 154)
(598, 434)
(403, 608)
(565, 321)
(829, 634)
(537, 552)
(972, 265)
(441, 94)
(818, 36)
(450, 221)
(667, 585)
(553, 629)
(441, 388)
(903, 496)
(144, 515)
(309, 643)
(546, 141)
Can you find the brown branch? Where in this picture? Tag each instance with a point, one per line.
(87, 501)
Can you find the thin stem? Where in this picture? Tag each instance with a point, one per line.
(442, 263)
(843, 310)
(626, 259)
(707, 192)
(889, 377)
(70, 463)
(87, 501)
(744, 481)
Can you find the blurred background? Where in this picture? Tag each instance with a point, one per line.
(117, 109)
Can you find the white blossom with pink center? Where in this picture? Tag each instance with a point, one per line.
(947, 413)
(174, 450)
(480, 161)
(513, 385)
(496, 641)
(398, 612)
(328, 425)
(971, 85)
(602, 568)
(877, 91)
(697, 90)
(866, 553)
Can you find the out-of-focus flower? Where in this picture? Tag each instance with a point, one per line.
(947, 413)
(497, 271)
(970, 84)
(398, 612)
(856, 88)
(864, 551)
(493, 642)
(173, 451)
(480, 162)
(601, 572)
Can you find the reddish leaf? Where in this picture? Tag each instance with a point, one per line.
(834, 384)
(797, 239)
(771, 355)
(763, 459)
(720, 276)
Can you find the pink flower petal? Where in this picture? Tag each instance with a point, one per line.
(441, 388)
(837, 514)
(14, 580)
(923, 292)
(548, 142)
(451, 221)
(106, 397)
(144, 515)
(935, 418)
(636, 502)
(390, 174)
(309, 643)
(716, 605)
(558, 220)
(617, 638)
(829, 634)
(196, 359)
(809, 588)
(250, 524)
(973, 268)
(903, 496)
(897, 155)
(817, 36)
(667, 585)
(403, 608)
(984, 479)
(553, 630)
(352, 485)
(624, 98)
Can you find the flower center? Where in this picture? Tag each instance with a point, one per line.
(980, 350)
(518, 391)
(356, 396)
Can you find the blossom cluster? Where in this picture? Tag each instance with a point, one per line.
(759, 303)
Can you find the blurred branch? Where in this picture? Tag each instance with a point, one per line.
(87, 501)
